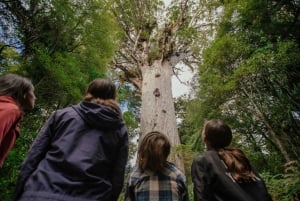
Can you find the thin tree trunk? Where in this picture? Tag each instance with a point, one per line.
(276, 140)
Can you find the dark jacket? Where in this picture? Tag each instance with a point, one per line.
(213, 183)
(80, 154)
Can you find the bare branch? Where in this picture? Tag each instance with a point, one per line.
(179, 57)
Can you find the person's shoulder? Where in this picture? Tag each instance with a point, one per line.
(62, 114)
(206, 156)
(136, 175)
(9, 103)
(171, 165)
(208, 159)
(135, 172)
(9, 107)
(62, 111)
(173, 170)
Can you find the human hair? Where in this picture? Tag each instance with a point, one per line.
(218, 136)
(153, 152)
(103, 92)
(15, 86)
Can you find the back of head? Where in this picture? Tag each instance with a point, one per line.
(16, 87)
(217, 133)
(218, 136)
(101, 88)
(102, 91)
(153, 152)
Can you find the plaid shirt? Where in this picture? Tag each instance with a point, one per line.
(167, 185)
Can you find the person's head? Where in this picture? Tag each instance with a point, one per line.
(19, 88)
(103, 92)
(101, 88)
(216, 134)
(153, 152)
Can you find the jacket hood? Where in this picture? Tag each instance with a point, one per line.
(98, 116)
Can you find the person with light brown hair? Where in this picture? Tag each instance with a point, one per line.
(16, 97)
(155, 178)
(80, 153)
(222, 173)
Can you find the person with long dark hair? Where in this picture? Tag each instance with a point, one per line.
(16, 97)
(223, 173)
(154, 178)
(80, 153)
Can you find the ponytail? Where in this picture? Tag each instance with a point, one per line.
(237, 164)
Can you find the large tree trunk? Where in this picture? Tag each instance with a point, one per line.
(149, 54)
(157, 111)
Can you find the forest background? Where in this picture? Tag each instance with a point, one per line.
(245, 56)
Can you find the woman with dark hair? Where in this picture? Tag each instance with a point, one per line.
(222, 173)
(80, 153)
(155, 178)
(16, 96)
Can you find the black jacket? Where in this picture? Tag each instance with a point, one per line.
(80, 154)
(213, 183)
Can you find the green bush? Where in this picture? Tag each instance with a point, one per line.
(286, 186)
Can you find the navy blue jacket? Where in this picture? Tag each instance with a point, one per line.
(213, 183)
(80, 154)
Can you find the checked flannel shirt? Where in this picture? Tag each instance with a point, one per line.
(166, 185)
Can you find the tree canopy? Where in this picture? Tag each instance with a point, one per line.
(61, 44)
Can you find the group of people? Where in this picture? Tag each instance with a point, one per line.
(81, 152)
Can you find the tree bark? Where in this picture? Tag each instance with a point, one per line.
(157, 110)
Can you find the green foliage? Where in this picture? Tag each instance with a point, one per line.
(129, 98)
(132, 127)
(71, 43)
(186, 128)
(129, 119)
(130, 104)
(247, 76)
(9, 59)
(57, 78)
(187, 155)
(286, 186)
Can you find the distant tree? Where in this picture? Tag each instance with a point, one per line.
(250, 76)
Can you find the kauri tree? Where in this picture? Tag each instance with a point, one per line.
(157, 40)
